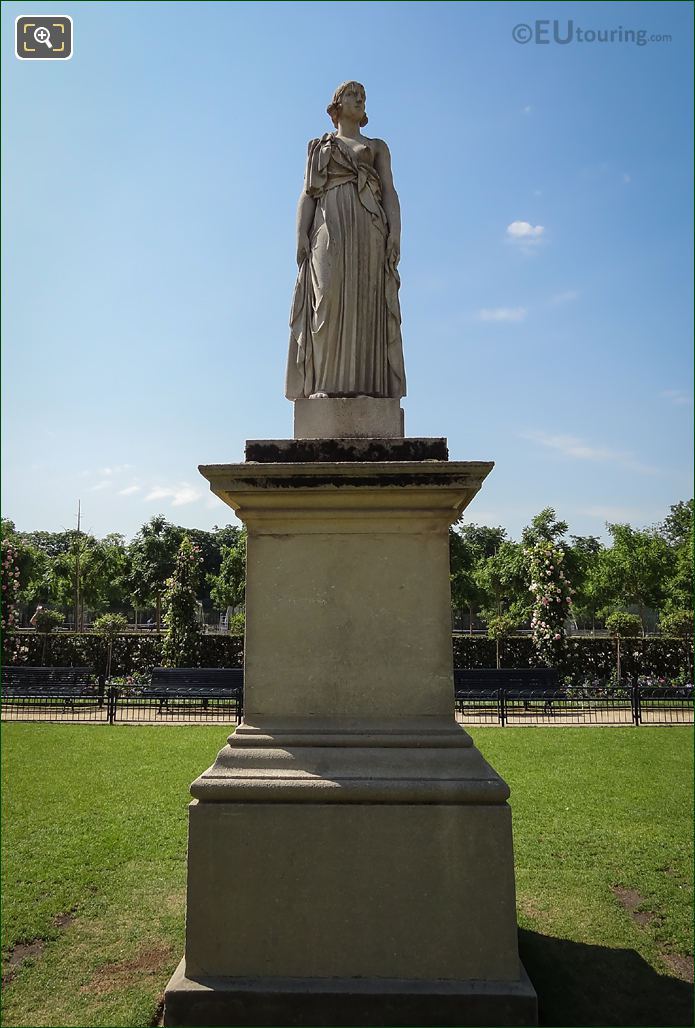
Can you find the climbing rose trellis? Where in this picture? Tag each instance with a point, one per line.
(552, 603)
(12, 645)
(181, 643)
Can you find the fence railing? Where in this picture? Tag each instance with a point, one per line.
(111, 705)
(586, 705)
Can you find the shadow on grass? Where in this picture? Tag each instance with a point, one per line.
(580, 986)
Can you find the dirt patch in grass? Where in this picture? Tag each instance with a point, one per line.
(21, 952)
(529, 908)
(679, 965)
(30, 950)
(146, 962)
(64, 920)
(630, 899)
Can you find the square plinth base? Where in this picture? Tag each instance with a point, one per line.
(328, 1002)
(357, 417)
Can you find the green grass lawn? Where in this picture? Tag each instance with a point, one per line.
(94, 847)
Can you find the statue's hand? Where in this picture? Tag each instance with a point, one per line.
(393, 252)
(303, 248)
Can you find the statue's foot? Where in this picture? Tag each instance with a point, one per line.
(319, 396)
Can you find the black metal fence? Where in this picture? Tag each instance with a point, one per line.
(586, 705)
(111, 705)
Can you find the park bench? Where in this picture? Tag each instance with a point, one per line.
(195, 683)
(66, 684)
(526, 684)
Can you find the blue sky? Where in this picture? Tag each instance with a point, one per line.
(150, 186)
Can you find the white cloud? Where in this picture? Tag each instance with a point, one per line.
(571, 446)
(179, 495)
(129, 490)
(609, 513)
(502, 314)
(524, 231)
(105, 484)
(678, 397)
(566, 297)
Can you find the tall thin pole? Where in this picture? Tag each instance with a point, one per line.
(77, 569)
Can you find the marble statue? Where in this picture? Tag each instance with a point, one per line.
(345, 325)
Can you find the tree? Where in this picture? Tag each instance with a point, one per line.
(500, 627)
(181, 644)
(677, 530)
(152, 558)
(591, 594)
(469, 546)
(636, 568)
(502, 579)
(91, 574)
(229, 586)
(545, 527)
(110, 626)
(622, 626)
(677, 527)
(679, 623)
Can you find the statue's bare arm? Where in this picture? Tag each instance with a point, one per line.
(305, 216)
(389, 199)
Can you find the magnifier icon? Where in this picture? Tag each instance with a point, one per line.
(42, 35)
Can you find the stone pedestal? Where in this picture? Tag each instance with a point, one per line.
(350, 851)
(360, 417)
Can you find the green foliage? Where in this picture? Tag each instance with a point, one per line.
(502, 577)
(501, 626)
(110, 625)
(45, 620)
(592, 594)
(622, 625)
(636, 568)
(587, 660)
(677, 528)
(227, 588)
(237, 623)
(133, 653)
(10, 584)
(152, 557)
(551, 601)
(181, 646)
(678, 623)
(544, 528)
(469, 547)
(13, 649)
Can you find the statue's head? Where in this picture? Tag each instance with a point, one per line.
(352, 93)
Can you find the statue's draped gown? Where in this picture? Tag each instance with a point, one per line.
(345, 325)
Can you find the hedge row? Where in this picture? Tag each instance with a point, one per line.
(132, 653)
(588, 658)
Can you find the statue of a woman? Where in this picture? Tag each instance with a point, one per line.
(345, 326)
